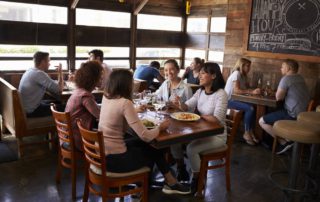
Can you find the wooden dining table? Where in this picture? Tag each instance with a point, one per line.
(185, 131)
(262, 102)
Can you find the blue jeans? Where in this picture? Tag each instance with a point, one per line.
(249, 113)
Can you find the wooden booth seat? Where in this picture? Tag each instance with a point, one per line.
(15, 121)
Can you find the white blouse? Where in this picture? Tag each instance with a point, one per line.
(183, 91)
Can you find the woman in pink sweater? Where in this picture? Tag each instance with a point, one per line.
(117, 115)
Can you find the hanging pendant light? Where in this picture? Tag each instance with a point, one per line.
(188, 6)
(121, 1)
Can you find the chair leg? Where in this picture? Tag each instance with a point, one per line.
(274, 145)
(145, 188)
(202, 174)
(86, 186)
(74, 178)
(227, 171)
(20, 141)
(59, 168)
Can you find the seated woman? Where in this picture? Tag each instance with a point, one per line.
(117, 115)
(210, 101)
(192, 72)
(238, 83)
(173, 85)
(82, 103)
(170, 89)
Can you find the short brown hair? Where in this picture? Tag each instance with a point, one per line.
(292, 64)
(120, 84)
(88, 75)
(39, 56)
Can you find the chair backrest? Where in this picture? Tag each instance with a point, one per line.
(11, 110)
(312, 105)
(64, 127)
(233, 119)
(93, 147)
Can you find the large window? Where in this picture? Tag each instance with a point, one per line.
(101, 18)
(32, 13)
(158, 22)
(114, 57)
(158, 52)
(192, 53)
(197, 25)
(218, 24)
(146, 55)
(112, 52)
(216, 56)
(10, 56)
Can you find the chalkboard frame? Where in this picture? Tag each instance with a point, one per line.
(261, 54)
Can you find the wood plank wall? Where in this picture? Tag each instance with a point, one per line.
(269, 68)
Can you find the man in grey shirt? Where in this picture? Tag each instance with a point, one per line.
(293, 90)
(35, 82)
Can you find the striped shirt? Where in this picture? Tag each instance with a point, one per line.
(214, 104)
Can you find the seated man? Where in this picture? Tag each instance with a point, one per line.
(97, 55)
(148, 73)
(293, 90)
(35, 82)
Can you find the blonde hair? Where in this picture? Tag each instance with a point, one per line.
(240, 64)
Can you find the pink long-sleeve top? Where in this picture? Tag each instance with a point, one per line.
(116, 116)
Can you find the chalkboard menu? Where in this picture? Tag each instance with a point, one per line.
(285, 26)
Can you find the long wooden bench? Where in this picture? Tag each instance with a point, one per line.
(15, 121)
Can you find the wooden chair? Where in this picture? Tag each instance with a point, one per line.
(311, 107)
(96, 174)
(222, 153)
(67, 152)
(14, 119)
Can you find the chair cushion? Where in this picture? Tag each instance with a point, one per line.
(40, 122)
(216, 150)
(97, 171)
(311, 117)
(298, 131)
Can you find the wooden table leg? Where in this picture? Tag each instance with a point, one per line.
(260, 112)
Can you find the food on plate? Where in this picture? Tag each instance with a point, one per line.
(148, 124)
(186, 116)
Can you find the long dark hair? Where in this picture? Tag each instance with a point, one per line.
(119, 84)
(213, 68)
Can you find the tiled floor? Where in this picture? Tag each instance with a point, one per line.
(32, 179)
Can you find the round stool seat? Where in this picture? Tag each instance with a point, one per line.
(298, 131)
(310, 117)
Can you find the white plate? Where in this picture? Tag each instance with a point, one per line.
(185, 116)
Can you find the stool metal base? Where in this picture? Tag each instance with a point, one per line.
(311, 188)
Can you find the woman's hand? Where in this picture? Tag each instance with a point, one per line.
(164, 125)
(141, 108)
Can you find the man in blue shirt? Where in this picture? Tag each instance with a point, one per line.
(148, 73)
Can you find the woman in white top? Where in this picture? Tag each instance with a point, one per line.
(173, 85)
(238, 83)
(210, 101)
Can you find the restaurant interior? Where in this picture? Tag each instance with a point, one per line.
(36, 166)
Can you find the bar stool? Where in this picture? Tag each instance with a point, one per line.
(300, 132)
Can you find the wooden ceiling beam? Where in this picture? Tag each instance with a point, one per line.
(74, 4)
(141, 5)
